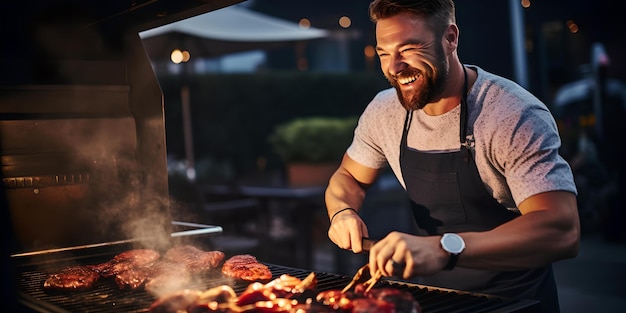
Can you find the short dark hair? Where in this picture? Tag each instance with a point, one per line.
(440, 13)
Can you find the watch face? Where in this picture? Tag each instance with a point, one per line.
(453, 243)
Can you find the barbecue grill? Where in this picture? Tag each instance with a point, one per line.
(83, 155)
(106, 296)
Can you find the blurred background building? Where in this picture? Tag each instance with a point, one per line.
(556, 38)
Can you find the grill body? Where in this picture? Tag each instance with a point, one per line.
(82, 134)
(105, 296)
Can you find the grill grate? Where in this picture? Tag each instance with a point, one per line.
(107, 297)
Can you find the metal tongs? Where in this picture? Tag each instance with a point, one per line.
(368, 284)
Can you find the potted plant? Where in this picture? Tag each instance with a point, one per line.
(312, 147)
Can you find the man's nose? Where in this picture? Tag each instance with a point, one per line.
(396, 65)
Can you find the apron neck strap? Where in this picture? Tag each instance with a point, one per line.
(463, 118)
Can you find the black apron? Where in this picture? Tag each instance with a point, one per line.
(448, 195)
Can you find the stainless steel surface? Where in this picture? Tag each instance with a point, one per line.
(197, 229)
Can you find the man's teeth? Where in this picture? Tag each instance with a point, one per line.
(407, 80)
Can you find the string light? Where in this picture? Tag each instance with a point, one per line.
(304, 23)
(345, 22)
(179, 56)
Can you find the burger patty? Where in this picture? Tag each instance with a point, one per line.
(72, 278)
(133, 278)
(196, 260)
(246, 267)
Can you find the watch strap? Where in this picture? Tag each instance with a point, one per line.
(451, 262)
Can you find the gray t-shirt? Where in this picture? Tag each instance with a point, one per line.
(516, 139)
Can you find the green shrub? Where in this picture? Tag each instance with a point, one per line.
(313, 139)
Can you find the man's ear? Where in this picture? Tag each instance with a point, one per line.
(451, 37)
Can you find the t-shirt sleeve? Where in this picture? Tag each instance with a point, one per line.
(526, 146)
(367, 146)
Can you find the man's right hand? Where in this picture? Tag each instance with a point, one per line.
(347, 231)
(346, 189)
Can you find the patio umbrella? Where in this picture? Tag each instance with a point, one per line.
(224, 31)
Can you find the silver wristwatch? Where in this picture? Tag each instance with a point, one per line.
(453, 244)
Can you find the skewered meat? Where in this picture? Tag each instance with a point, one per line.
(72, 278)
(246, 267)
(284, 294)
(175, 302)
(217, 299)
(195, 259)
(125, 261)
(288, 294)
(337, 300)
(284, 287)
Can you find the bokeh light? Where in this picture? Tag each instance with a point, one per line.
(176, 56)
(179, 56)
(572, 26)
(369, 51)
(345, 22)
(304, 23)
(186, 56)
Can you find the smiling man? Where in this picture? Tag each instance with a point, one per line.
(494, 202)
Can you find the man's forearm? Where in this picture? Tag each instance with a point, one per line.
(343, 192)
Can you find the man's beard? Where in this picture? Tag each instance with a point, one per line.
(432, 84)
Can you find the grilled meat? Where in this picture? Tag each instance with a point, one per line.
(72, 278)
(125, 261)
(175, 302)
(378, 300)
(337, 300)
(402, 301)
(133, 278)
(283, 294)
(141, 267)
(196, 260)
(287, 294)
(167, 276)
(155, 276)
(369, 305)
(283, 291)
(175, 270)
(246, 267)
